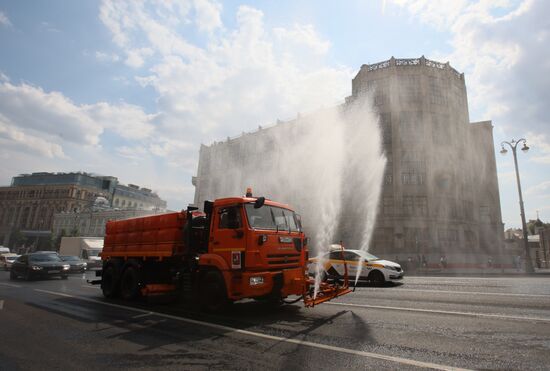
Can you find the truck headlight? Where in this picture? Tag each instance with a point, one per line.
(66, 267)
(256, 280)
(36, 268)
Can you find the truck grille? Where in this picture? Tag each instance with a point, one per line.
(280, 261)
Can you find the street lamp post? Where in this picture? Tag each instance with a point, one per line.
(513, 145)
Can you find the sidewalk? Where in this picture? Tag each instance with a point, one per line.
(474, 272)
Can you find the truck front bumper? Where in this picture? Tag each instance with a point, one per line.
(259, 284)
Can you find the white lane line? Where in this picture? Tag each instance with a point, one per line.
(143, 315)
(469, 292)
(1, 304)
(468, 314)
(10, 285)
(90, 287)
(360, 353)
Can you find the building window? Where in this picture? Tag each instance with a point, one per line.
(412, 178)
(387, 206)
(484, 214)
(385, 124)
(408, 205)
(447, 235)
(421, 205)
(388, 179)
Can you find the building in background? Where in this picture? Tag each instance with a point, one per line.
(440, 194)
(28, 205)
(91, 222)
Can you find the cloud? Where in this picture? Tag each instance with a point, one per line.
(540, 146)
(4, 20)
(43, 122)
(502, 48)
(539, 189)
(241, 78)
(208, 15)
(106, 57)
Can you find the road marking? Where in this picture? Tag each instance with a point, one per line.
(467, 314)
(10, 285)
(469, 292)
(143, 315)
(360, 353)
(90, 287)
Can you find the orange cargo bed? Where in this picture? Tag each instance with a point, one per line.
(150, 236)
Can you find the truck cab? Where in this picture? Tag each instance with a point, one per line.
(258, 246)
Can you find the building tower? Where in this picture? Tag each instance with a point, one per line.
(440, 193)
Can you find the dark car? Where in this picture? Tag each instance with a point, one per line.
(77, 264)
(39, 265)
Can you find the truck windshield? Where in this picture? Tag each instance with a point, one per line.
(271, 217)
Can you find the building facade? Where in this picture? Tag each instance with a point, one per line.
(91, 223)
(440, 192)
(28, 205)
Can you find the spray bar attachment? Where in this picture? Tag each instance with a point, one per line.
(327, 291)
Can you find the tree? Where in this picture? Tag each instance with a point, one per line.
(57, 241)
(74, 232)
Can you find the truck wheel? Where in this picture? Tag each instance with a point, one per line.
(129, 285)
(109, 284)
(213, 294)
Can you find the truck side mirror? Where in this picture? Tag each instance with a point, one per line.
(208, 207)
(259, 202)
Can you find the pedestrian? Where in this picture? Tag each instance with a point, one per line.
(490, 262)
(518, 262)
(424, 262)
(443, 262)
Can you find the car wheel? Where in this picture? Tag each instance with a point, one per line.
(129, 284)
(13, 275)
(28, 276)
(109, 282)
(213, 293)
(376, 277)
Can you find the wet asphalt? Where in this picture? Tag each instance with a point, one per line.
(426, 322)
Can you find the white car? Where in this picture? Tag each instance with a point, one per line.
(6, 260)
(374, 269)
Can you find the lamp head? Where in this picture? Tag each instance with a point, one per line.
(503, 151)
(525, 148)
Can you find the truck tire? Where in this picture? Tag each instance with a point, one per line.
(109, 282)
(213, 295)
(129, 284)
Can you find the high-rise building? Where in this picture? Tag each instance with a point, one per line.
(440, 192)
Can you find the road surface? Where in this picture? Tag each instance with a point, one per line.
(424, 323)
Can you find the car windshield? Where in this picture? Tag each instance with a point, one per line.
(272, 217)
(93, 252)
(44, 258)
(70, 258)
(367, 256)
(11, 258)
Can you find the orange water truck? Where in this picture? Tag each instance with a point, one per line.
(236, 248)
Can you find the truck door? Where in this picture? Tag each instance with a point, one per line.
(228, 239)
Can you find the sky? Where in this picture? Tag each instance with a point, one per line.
(132, 88)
